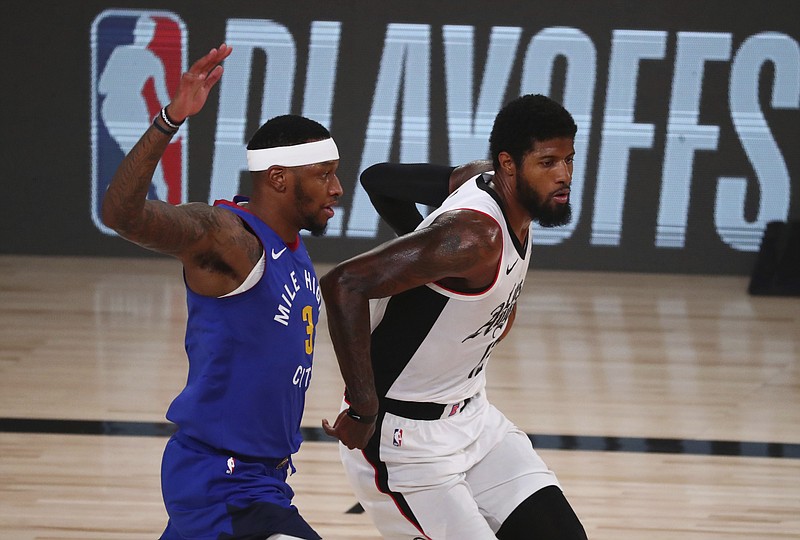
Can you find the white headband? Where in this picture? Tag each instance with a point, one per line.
(292, 156)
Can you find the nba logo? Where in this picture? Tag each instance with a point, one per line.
(397, 439)
(137, 61)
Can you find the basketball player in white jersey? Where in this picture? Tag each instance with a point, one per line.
(413, 323)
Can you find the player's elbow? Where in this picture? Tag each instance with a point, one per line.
(114, 217)
(109, 214)
(372, 177)
(340, 286)
(329, 284)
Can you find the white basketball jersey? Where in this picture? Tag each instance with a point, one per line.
(431, 344)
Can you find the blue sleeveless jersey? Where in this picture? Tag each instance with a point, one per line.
(250, 355)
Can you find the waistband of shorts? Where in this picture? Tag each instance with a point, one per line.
(194, 444)
(419, 410)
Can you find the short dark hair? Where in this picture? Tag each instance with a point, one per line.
(525, 120)
(287, 130)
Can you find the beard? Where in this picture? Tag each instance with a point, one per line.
(311, 221)
(546, 213)
(316, 229)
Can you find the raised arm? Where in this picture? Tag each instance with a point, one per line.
(460, 250)
(152, 224)
(395, 189)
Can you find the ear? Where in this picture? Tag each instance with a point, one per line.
(507, 164)
(276, 178)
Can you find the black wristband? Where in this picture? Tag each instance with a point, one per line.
(162, 129)
(361, 418)
(167, 120)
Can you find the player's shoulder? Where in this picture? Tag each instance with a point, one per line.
(471, 227)
(213, 217)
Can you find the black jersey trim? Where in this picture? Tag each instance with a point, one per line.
(372, 454)
(407, 320)
(482, 182)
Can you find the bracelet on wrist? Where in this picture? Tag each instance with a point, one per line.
(361, 418)
(162, 129)
(167, 120)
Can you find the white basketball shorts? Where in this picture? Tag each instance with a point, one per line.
(457, 478)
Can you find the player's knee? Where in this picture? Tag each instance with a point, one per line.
(545, 515)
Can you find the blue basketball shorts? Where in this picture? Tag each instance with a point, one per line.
(209, 495)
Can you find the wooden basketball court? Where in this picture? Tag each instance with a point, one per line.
(668, 405)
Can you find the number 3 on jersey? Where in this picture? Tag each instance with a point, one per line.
(308, 317)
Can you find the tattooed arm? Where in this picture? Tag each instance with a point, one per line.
(125, 207)
(459, 250)
(211, 243)
(155, 225)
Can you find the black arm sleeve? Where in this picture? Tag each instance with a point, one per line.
(394, 190)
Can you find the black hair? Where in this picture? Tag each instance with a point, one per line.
(287, 130)
(525, 120)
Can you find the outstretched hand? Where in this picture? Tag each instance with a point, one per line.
(196, 83)
(352, 434)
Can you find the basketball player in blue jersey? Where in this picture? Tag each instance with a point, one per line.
(253, 305)
(413, 323)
